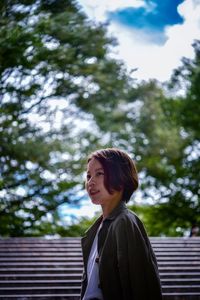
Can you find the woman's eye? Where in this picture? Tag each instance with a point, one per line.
(100, 173)
(88, 177)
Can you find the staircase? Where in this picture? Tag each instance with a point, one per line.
(39, 268)
(179, 267)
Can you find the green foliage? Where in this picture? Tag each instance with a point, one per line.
(77, 229)
(49, 53)
(166, 219)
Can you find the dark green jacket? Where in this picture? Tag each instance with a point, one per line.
(127, 264)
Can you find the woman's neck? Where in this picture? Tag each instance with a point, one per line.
(108, 207)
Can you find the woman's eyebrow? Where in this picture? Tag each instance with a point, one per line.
(99, 169)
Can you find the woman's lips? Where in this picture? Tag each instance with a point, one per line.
(93, 192)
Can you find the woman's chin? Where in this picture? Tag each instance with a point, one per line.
(96, 202)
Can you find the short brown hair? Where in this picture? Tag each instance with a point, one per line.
(120, 171)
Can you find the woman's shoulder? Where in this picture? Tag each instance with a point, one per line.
(127, 216)
(129, 221)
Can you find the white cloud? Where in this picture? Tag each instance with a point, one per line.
(135, 49)
(97, 9)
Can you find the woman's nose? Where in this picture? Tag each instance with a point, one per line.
(91, 181)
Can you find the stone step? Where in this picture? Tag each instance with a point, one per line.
(175, 268)
(193, 263)
(40, 270)
(40, 254)
(70, 282)
(43, 250)
(180, 275)
(39, 283)
(41, 264)
(181, 296)
(44, 296)
(40, 290)
(180, 281)
(51, 276)
(182, 289)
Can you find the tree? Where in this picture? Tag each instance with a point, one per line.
(54, 64)
(171, 160)
(187, 77)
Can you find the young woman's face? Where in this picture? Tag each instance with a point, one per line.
(95, 184)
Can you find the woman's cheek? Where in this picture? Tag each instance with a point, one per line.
(86, 186)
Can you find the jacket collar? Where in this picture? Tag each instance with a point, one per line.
(114, 213)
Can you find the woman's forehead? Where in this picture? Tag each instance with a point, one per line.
(94, 164)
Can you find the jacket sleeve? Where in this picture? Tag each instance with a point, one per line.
(137, 265)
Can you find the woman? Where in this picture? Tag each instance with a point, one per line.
(119, 263)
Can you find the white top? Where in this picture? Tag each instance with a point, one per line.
(92, 290)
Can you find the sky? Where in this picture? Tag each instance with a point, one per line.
(153, 35)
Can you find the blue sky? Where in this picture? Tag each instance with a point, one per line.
(153, 17)
(153, 35)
